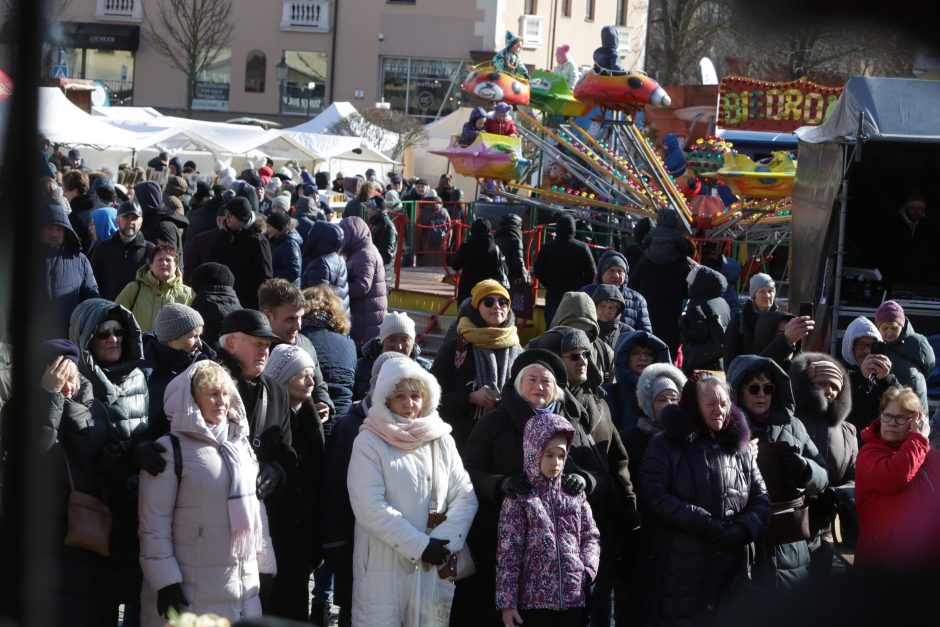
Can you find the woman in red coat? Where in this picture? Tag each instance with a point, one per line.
(897, 487)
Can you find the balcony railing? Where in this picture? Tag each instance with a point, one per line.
(122, 10)
(306, 15)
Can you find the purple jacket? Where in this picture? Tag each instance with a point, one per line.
(368, 297)
(549, 547)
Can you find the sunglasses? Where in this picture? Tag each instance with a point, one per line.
(491, 301)
(576, 357)
(103, 335)
(755, 389)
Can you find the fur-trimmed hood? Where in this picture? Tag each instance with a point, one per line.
(687, 424)
(644, 385)
(393, 372)
(811, 405)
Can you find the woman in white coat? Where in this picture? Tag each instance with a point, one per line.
(204, 543)
(404, 465)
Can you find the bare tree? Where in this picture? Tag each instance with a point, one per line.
(680, 32)
(191, 34)
(374, 125)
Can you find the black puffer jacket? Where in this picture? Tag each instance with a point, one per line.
(739, 336)
(477, 259)
(214, 299)
(769, 343)
(247, 254)
(835, 438)
(385, 239)
(322, 261)
(704, 322)
(509, 239)
(782, 565)
(912, 360)
(565, 264)
(687, 479)
(122, 386)
(336, 354)
(161, 365)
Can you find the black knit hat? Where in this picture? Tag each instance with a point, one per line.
(239, 207)
(209, 274)
(544, 358)
(279, 220)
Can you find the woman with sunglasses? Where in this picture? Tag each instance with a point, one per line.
(789, 462)
(473, 367)
(109, 341)
(897, 480)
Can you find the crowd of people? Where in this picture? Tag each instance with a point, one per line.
(226, 385)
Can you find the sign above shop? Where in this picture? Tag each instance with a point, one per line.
(754, 105)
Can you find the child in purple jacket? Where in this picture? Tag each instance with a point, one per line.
(549, 546)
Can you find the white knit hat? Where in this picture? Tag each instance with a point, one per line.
(287, 360)
(397, 322)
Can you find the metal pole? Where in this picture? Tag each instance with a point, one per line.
(840, 254)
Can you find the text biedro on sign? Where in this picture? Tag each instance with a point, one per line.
(753, 105)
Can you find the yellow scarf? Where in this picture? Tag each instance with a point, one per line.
(488, 337)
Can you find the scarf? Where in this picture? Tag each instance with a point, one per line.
(547, 410)
(648, 426)
(404, 434)
(488, 337)
(244, 511)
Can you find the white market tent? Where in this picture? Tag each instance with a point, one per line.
(350, 155)
(322, 123)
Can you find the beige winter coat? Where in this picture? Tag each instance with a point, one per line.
(184, 530)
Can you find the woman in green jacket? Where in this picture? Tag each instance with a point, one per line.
(158, 283)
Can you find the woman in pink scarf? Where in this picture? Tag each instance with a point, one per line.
(413, 503)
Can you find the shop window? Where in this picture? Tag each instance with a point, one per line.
(212, 85)
(425, 88)
(304, 90)
(114, 69)
(255, 68)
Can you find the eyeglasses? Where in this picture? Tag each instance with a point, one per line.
(898, 419)
(755, 389)
(491, 301)
(576, 357)
(103, 335)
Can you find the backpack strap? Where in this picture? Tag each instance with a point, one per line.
(177, 458)
(136, 295)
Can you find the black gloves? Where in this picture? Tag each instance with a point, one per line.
(269, 477)
(796, 468)
(170, 596)
(726, 536)
(147, 457)
(573, 484)
(516, 485)
(436, 552)
(265, 586)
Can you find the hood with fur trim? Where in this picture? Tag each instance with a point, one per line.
(539, 431)
(393, 372)
(744, 366)
(682, 422)
(811, 405)
(644, 385)
(184, 415)
(860, 327)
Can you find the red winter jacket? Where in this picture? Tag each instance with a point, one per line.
(897, 493)
(506, 127)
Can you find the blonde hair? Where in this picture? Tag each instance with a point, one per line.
(415, 385)
(559, 393)
(323, 297)
(905, 397)
(208, 374)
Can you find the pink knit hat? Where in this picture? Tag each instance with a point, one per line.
(889, 311)
(562, 52)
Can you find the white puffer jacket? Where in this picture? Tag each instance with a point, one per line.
(390, 493)
(184, 530)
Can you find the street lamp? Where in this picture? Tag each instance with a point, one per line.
(310, 87)
(281, 70)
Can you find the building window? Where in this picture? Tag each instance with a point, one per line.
(531, 7)
(589, 10)
(621, 13)
(255, 68)
(305, 88)
(212, 85)
(566, 8)
(113, 69)
(425, 88)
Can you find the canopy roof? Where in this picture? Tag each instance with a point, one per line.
(336, 112)
(891, 109)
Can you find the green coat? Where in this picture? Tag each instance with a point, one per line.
(145, 296)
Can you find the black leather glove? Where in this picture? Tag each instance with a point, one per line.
(733, 536)
(714, 529)
(265, 587)
(573, 484)
(170, 596)
(269, 478)
(516, 485)
(796, 468)
(436, 552)
(147, 457)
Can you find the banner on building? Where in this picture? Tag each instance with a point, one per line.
(754, 105)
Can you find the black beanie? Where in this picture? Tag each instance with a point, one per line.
(240, 208)
(480, 227)
(211, 273)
